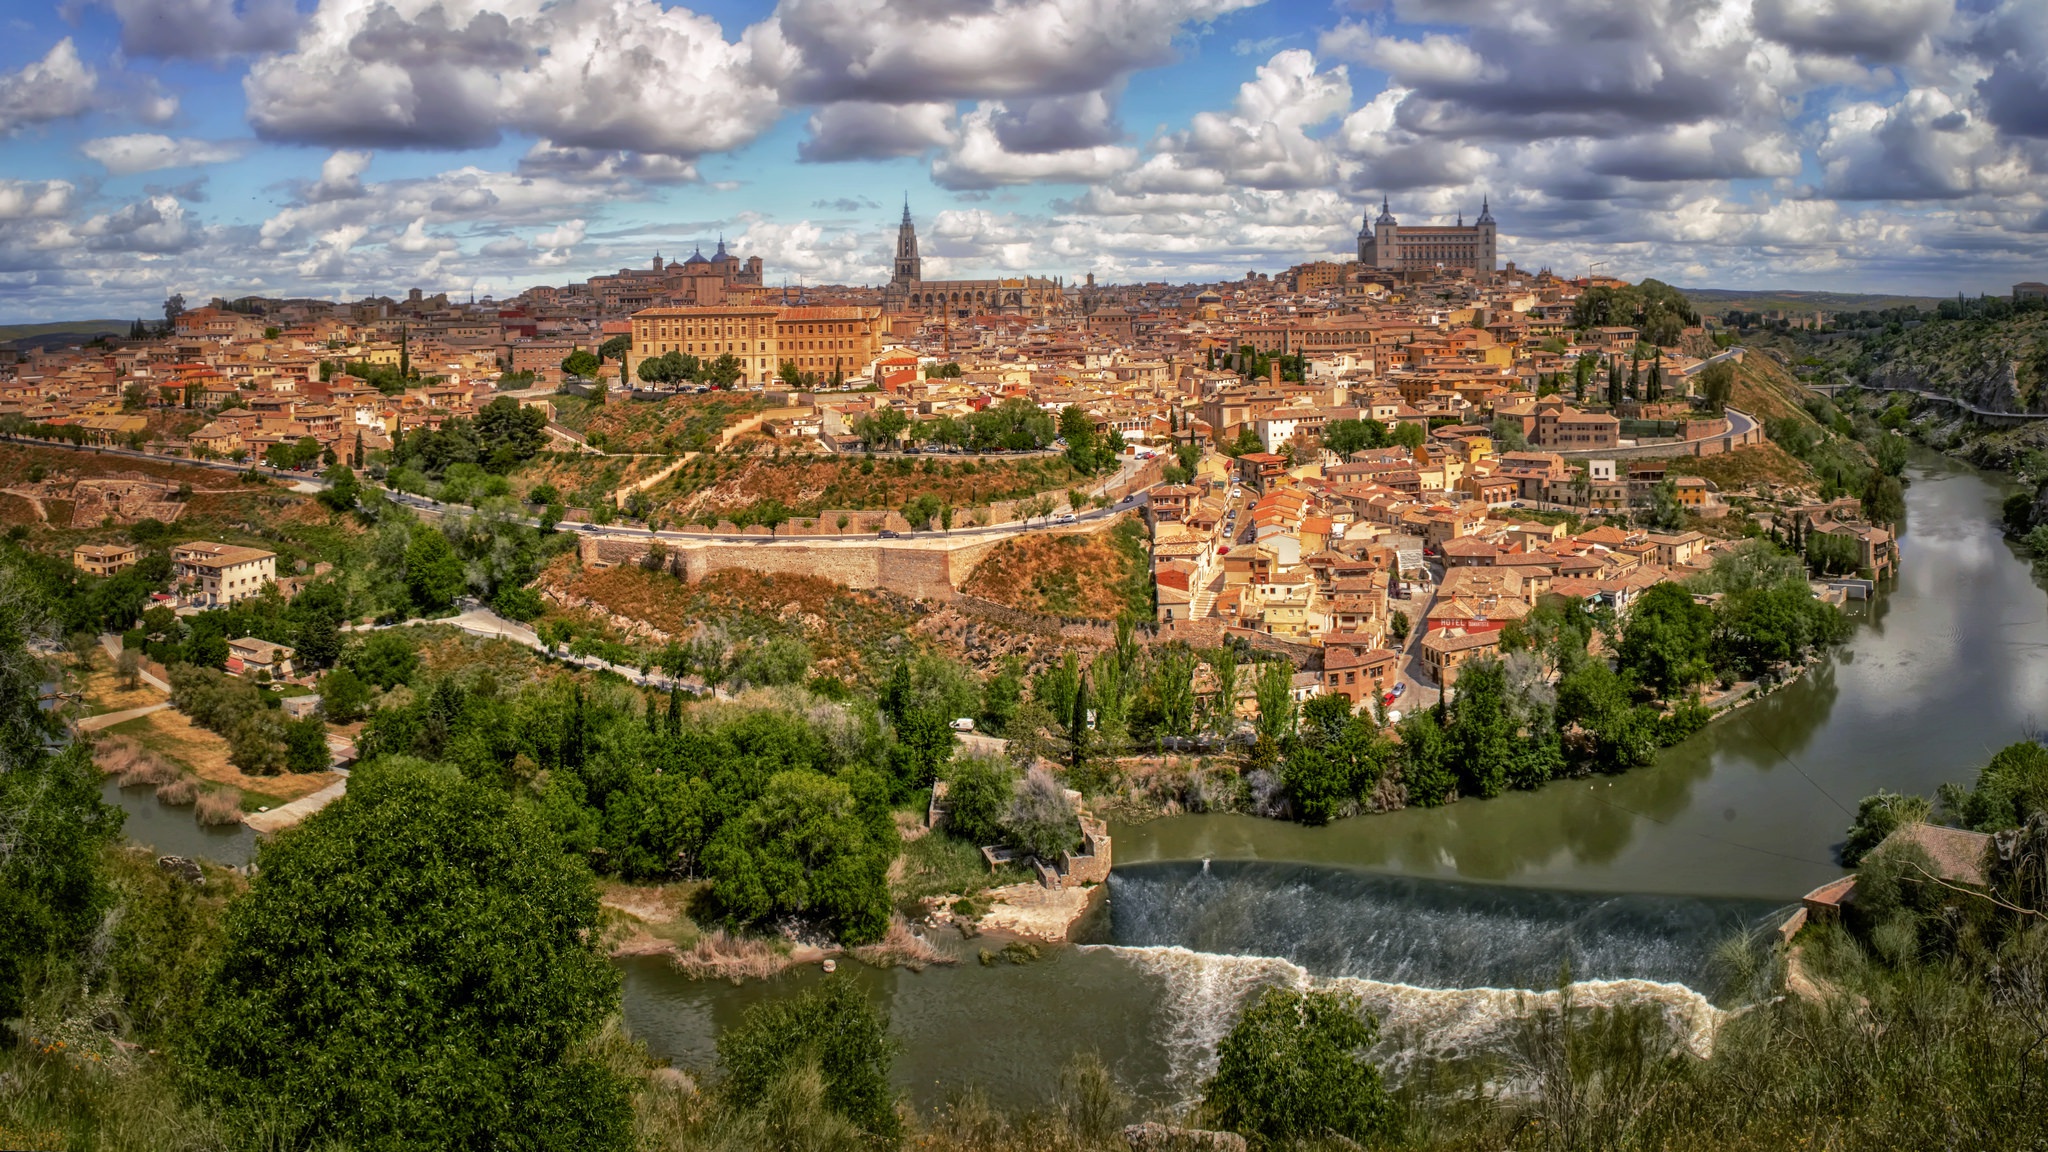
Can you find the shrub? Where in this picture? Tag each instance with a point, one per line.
(977, 796)
(1041, 819)
(1293, 1069)
(1877, 817)
(833, 1026)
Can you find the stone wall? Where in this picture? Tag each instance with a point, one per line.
(923, 570)
(1668, 448)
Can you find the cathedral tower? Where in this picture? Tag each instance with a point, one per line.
(909, 269)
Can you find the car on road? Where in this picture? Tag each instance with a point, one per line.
(888, 534)
(1066, 518)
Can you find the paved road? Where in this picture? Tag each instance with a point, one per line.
(1831, 389)
(109, 719)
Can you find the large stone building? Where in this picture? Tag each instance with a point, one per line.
(217, 575)
(826, 342)
(1420, 251)
(909, 292)
(701, 279)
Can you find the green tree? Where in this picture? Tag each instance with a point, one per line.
(2009, 789)
(344, 697)
(1274, 691)
(1041, 820)
(468, 944)
(1877, 817)
(1884, 498)
(53, 824)
(725, 371)
(387, 659)
(833, 1025)
(1409, 435)
(305, 743)
(581, 364)
(1293, 1071)
(804, 849)
(433, 572)
(1668, 640)
(1717, 385)
(343, 489)
(978, 796)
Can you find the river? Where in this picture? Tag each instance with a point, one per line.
(1631, 881)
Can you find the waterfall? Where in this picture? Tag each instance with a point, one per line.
(1448, 969)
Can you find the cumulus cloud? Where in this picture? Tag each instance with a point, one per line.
(608, 75)
(545, 158)
(980, 160)
(36, 199)
(56, 87)
(1924, 147)
(204, 29)
(157, 224)
(824, 51)
(866, 130)
(1879, 30)
(1263, 142)
(149, 152)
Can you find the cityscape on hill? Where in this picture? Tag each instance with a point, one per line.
(1144, 576)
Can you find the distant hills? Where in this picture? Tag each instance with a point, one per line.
(61, 331)
(1717, 300)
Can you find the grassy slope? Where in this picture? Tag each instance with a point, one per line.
(809, 485)
(83, 328)
(1095, 574)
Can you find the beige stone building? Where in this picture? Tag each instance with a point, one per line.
(220, 574)
(103, 559)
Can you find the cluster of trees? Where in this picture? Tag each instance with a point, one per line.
(677, 368)
(261, 740)
(503, 436)
(787, 814)
(77, 602)
(1655, 309)
(1546, 708)
(1012, 426)
(1088, 451)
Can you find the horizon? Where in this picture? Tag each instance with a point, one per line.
(333, 150)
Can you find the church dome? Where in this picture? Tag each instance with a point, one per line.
(723, 257)
(696, 257)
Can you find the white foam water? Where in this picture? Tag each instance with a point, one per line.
(1204, 993)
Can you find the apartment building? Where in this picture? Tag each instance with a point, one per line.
(220, 574)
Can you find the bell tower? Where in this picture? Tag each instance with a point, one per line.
(909, 269)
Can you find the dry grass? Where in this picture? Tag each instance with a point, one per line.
(1736, 471)
(172, 735)
(721, 955)
(177, 793)
(132, 765)
(104, 693)
(1076, 574)
(16, 510)
(807, 485)
(902, 946)
(219, 806)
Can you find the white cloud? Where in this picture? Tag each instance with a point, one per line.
(609, 75)
(150, 152)
(979, 159)
(825, 51)
(36, 199)
(865, 130)
(56, 87)
(567, 236)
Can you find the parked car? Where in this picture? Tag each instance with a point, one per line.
(963, 724)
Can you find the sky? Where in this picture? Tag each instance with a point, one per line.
(338, 148)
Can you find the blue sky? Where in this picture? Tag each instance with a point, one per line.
(342, 147)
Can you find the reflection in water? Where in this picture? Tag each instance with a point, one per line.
(173, 831)
(1949, 667)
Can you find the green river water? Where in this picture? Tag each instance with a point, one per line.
(1436, 916)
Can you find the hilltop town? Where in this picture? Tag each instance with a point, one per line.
(1373, 466)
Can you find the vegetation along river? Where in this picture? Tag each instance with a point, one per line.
(1631, 881)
